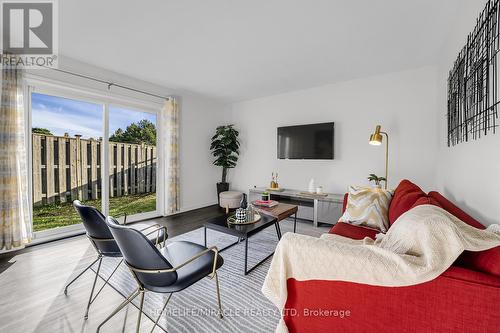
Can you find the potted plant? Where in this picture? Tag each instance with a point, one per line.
(374, 178)
(225, 148)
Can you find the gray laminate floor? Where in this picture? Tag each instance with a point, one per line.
(32, 283)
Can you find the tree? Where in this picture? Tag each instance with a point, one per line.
(225, 148)
(143, 131)
(39, 130)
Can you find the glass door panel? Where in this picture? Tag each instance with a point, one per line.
(66, 158)
(132, 163)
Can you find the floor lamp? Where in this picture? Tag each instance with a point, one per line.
(376, 140)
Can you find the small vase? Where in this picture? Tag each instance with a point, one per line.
(312, 186)
(243, 202)
(241, 214)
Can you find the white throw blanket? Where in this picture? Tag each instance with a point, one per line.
(419, 246)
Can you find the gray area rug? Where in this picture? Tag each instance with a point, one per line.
(195, 308)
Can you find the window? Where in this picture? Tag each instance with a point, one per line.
(95, 151)
(66, 165)
(132, 162)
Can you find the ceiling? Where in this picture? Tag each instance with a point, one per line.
(235, 50)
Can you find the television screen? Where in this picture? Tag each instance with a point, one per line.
(314, 141)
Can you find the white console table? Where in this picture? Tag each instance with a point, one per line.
(319, 209)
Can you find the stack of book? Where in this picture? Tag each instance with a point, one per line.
(265, 203)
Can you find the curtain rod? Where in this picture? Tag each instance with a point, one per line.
(110, 84)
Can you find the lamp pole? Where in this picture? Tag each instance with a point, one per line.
(386, 158)
(376, 140)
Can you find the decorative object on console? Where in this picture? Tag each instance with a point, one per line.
(376, 140)
(368, 207)
(274, 186)
(319, 190)
(374, 178)
(274, 181)
(265, 196)
(472, 83)
(225, 148)
(312, 186)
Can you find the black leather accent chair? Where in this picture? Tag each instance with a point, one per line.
(167, 270)
(105, 245)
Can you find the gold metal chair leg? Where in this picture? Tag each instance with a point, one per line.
(78, 276)
(159, 316)
(93, 287)
(141, 304)
(106, 281)
(218, 295)
(121, 306)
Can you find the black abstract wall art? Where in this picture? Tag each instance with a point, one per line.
(473, 91)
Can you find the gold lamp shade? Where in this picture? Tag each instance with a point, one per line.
(376, 137)
(376, 140)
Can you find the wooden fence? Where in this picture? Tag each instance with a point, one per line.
(68, 168)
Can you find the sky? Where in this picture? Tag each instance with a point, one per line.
(63, 115)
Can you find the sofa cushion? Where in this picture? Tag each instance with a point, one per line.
(451, 208)
(405, 196)
(426, 201)
(368, 206)
(484, 261)
(353, 231)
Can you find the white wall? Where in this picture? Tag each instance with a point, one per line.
(199, 117)
(468, 173)
(404, 103)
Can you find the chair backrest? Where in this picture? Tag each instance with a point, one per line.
(139, 252)
(97, 229)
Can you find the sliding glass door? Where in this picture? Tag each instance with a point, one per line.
(94, 151)
(66, 142)
(132, 162)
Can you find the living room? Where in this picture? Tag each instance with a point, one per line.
(179, 149)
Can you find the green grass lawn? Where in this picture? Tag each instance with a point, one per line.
(60, 215)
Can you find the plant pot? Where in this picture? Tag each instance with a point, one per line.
(221, 187)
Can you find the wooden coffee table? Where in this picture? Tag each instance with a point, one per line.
(280, 212)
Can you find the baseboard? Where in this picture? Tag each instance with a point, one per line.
(77, 230)
(191, 208)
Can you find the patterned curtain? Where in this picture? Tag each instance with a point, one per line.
(15, 215)
(171, 114)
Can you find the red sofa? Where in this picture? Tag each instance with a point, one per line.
(465, 298)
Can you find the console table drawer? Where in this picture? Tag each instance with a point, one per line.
(329, 212)
(305, 213)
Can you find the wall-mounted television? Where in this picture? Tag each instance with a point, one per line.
(312, 142)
